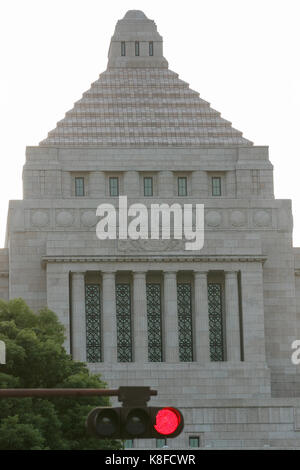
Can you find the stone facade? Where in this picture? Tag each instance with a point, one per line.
(140, 120)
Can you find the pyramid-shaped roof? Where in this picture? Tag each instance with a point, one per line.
(139, 102)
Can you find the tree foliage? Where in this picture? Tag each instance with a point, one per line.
(35, 358)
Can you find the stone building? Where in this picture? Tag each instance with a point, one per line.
(212, 329)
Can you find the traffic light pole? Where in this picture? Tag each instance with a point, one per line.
(133, 420)
(141, 394)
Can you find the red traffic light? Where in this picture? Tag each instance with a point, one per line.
(135, 422)
(168, 421)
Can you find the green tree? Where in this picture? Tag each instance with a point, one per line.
(36, 359)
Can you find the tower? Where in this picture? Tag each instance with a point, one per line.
(210, 329)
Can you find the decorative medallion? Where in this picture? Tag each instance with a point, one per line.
(237, 218)
(64, 219)
(262, 218)
(39, 218)
(89, 218)
(213, 218)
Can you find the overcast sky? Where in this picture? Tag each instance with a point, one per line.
(241, 55)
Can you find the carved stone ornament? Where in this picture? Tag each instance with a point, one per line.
(150, 245)
(39, 218)
(213, 218)
(64, 219)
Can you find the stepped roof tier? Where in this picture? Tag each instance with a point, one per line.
(139, 102)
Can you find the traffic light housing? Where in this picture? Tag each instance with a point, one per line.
(135, 422)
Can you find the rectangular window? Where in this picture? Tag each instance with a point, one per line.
(124, 330)
(216, 186)
(215, 320)
(194, 441)
(93, 322)
(154, 322)
(79, 186)
(114, 186)
(182, 186)
(185, 323)
(151, 50)
(160, 443)
(128, 444)
(148, 186)
(137, 48)
(123, 48)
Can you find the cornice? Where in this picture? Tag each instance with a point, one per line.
(155, 259)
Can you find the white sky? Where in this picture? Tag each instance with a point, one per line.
(241, 55)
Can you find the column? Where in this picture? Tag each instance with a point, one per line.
(232, 320)
(140, 330)
(170, 318)
(58, 297)
(253, 313)
(78, 317)
(201, 318)
(109, 317)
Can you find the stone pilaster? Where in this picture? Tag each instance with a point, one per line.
(78, 317)
(58, 297)
(253, 314)
(232, 320)
(171, 318)
(140, 333)
(201, 333)
(109, 317)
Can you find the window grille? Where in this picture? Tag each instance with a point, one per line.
(160, 443)
(216, 186)
(215, 317)
(148, 186)
(114, 186)
(79, 186)
(93, 322)
(128, 444)
(194, 441)
(154, 322)
(185, 324)
(124, 330)
(182, 186)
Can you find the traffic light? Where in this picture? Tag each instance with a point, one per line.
(135, 422)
